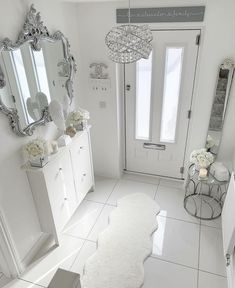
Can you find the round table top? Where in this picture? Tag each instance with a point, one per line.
(193, 173)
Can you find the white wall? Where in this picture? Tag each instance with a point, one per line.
(96, 19)
(218, 44)
(15, 196)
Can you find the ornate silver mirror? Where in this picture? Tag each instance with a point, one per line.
(218, 112)
(35, 70)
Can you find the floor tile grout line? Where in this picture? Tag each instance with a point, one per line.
(85, 239)
(81, 238)
(115, 185)
(211, 273)
(93, 226)
(75, 223)
(186, 266)
(155, 194)
(87, 235)
(177, 219)
(104, 203)
(27, 281)
(101, 210)
(96, 220)
(204, 225)
(78, 253)
(172, 262)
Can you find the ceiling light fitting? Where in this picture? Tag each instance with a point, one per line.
(128, 43)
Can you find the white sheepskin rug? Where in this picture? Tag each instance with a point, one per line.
(123, 246)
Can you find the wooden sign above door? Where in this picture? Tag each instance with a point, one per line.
(162, 14)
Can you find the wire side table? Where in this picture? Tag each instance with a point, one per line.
(204, 199)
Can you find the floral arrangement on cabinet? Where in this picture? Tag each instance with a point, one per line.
(77, 119)
(36, 152)
(68, 122)
(202, 160)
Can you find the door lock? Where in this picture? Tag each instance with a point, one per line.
(128, 87)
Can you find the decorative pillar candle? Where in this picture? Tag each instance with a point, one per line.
(203, 173)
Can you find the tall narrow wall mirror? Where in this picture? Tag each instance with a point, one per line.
(35, 70)
(219, 106)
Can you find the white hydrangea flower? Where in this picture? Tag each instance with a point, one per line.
(77, 116)
(202, 158)
(35, 149)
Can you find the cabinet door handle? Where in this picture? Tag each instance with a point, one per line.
(60, 169)
(84, 174)
(65, 198)
(81, 147)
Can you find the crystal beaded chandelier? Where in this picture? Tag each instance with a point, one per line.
(128, 43)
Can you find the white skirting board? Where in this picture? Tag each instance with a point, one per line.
(231, 272)
(228, 230)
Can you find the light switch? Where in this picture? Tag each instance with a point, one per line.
(102, 104)
(99, 85)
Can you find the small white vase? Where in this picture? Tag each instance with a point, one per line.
(39, 161)
(81, 126)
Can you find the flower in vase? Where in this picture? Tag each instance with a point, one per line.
(202, 158)
(36, 148)
(76, 117)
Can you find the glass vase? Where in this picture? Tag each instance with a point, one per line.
(39, 161)
(81, 126)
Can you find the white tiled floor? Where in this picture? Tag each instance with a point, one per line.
(170, 200)
(187, 253)
(185, 238)
(124, 187)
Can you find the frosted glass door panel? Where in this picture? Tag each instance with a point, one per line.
(172, 81)
(143, 98)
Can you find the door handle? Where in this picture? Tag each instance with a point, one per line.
(128, 87)
(154, 146)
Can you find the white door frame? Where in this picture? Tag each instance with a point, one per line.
(157, 27)
(9, 262)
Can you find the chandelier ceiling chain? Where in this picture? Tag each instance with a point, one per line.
(128, 43)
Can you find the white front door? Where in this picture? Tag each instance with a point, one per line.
(158, 100)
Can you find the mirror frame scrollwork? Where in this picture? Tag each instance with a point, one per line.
(34, 32)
